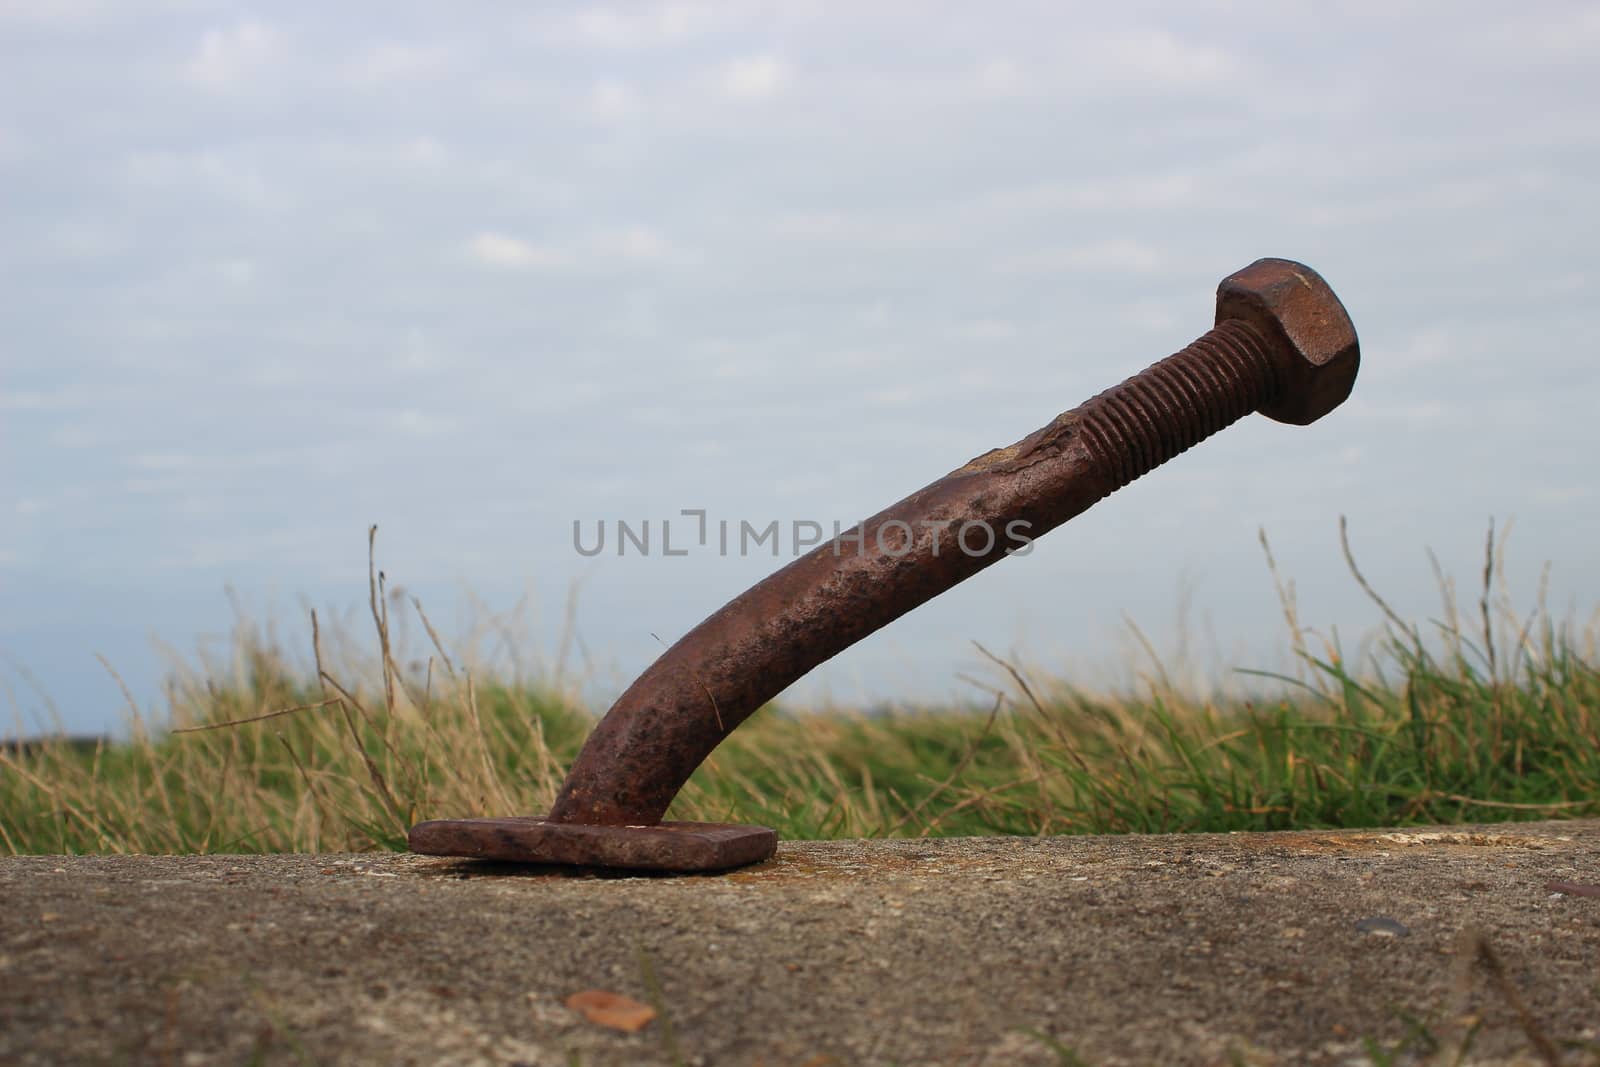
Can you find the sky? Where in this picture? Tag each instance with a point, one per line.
(474, 273)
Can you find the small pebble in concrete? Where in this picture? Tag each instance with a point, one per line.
(1383, 926)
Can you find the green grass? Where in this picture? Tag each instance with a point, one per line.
(1494, 719)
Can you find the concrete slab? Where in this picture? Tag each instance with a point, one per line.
(1287, 948)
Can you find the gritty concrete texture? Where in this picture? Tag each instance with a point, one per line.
(1217, 949)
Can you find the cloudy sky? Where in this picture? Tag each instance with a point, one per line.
(275, 273)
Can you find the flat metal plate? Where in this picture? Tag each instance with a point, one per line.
(667, 846)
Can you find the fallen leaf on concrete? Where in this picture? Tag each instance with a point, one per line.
(611, 1009)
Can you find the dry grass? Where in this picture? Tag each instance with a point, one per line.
(1490, 716)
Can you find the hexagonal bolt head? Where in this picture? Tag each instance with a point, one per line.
(1291, 304)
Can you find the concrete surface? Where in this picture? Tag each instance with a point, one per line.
(1291, 948)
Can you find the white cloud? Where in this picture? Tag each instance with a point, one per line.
(1152, 316)
(738, 370)
(754, 78)
(1134, 192)
(998, 77)
(878, 314)
(511, 253)
(1157, 58)
(239, 547)
(409, 422)
(894, 396)
(872, 230)
(166, 461)
(1429, 346)
(1562, 494)
(635, 27)
(812, 225)
(85, 241)
(59, 14)
(422, 152)
(153, 486)
(58, 399)
(1425, 411)
(416, 355)
(181, 171)
(989, 209)
(636, 244)
(611, 101)
(278, 372)
(235, 271)
(22, 400)
(1532, 38)
(987, 330)
(14, 148)
(228, 56)
(391, 62)
(1117, 256)
(417, 153)
(78, 435)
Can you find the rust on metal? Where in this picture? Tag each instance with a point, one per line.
(1282, 345)
(666, 846)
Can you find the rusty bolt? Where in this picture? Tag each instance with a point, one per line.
(1293, 304)
(1282, 345)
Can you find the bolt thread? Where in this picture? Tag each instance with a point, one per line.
(1133, 428)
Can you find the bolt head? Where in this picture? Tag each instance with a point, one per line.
(1296, 309)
